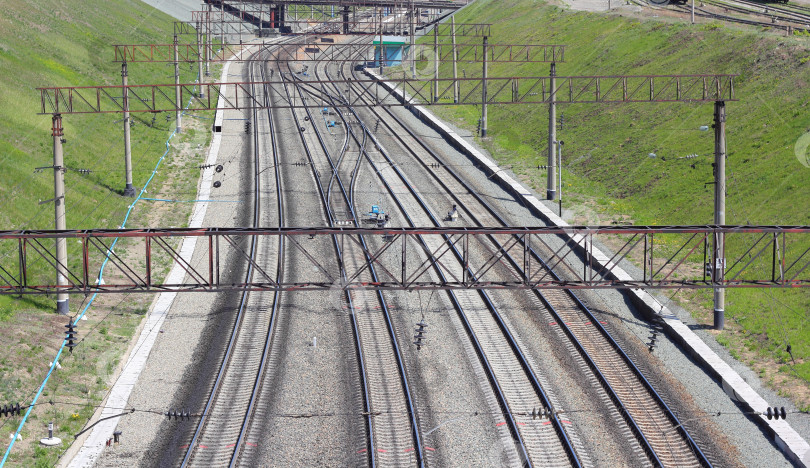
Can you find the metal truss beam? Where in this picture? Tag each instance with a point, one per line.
(360, 26)
(440, 4)
(319, 52)
(524, 90)
(667, 257)
(222, 23)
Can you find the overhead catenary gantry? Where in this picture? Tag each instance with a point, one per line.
(313, 51)
(440, 4)
(353, 27)
(504, 90)
(755, 256)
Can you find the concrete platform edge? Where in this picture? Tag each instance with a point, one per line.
(795, 448)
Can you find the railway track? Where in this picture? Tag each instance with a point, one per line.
(220, 431)
(780, 17)
(656, 428)
(518, 389)
(394, 437)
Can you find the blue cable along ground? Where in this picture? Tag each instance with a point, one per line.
(92, 298)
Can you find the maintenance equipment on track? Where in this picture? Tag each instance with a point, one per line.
(452, 215)
(378, 216)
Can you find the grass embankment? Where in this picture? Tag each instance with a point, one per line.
(609, 176)
(68, 43)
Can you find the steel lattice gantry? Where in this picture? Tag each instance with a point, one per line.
(312, 51)
(440, 4)
(524, 90)
(668, 257)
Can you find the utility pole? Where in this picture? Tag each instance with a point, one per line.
(345, 19)
(559, 172)
(484, 92)
(455, 60)
(200, 53)
(209, 40)
(719, 210)
(693, 11)
(179, 115)
(413, 40)
(59, 219)
(436, 62)
(382, 45)
(552, 133)
(129, 190)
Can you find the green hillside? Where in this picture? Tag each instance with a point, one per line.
(68, 43)
(609, 176)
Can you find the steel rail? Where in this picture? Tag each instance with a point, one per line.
(386, 314)
(612, 393)
(371, 449)
(242, 303)
(571, 453)
(791, 16)
(279, 274)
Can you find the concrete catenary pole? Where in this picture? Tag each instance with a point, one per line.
(209, 40)
(484, 91)
(382, 45)
(179, 113)
(693, 11)
(719, 209)
(552, 133)
(59, 218)
(129, 190)
(455, 60)
(412, 33)
(436, 62)
(200, 46)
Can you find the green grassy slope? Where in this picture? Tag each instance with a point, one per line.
(606, 162)
(68, 43)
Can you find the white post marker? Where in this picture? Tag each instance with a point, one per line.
(50, 441)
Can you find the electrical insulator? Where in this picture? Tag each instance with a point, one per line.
(653, 339)
(71, 335)
(181, 415)
(541, 413)
(419, 334)
(247, 126)
(11, 410)
(776, 412)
